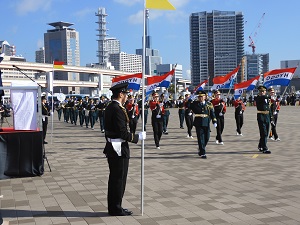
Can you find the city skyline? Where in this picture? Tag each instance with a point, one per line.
(27, 20)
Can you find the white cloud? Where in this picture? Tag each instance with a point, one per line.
(188, 74)
(40, 43)
(128, 2)
(179, 3)
(136, 18)
(26, 6)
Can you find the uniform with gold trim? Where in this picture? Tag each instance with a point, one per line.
(220, 110)
(116, 131)
(239, 114)
(264, 118)
(275, 107)
(204, 113)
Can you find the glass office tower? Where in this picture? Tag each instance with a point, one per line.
(216, 44)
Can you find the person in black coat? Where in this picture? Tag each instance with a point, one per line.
(204, 113)
(45, 114)
(264, 118)
(117, 149)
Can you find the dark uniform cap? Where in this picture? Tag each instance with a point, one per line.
(201, 93)
(262, 88)
(181, 97)
(43, 97)
(271, 90)
(122, 87)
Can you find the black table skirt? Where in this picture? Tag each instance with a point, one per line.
(21, 154)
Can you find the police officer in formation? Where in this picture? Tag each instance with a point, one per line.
(117, 149)
(204, 113)
(264, 118)
(239, 114)
(220, 110)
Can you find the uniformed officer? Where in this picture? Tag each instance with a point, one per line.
(167, 106)
(264, 118)
(275, 107)
(180, 105)
(117, 148)
(204, 113)
(157, 109)
(188, 115)
(239, 115)
(132, 111)
(220, 110)
(101, 110)
(45, 114)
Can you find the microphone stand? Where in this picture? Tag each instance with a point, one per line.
(44, 150)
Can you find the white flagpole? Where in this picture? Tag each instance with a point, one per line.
(143, 108)
(51, 77)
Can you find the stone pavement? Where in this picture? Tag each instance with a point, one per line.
(235, 185)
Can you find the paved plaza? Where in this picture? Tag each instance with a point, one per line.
(236, 184)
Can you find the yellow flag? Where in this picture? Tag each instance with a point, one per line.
(159, 4)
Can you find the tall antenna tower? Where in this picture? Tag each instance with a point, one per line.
(102, 52)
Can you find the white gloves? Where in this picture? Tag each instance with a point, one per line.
(220, 114)
(161, 104)
(142, 135)
(51, 113)
(275, 113)
(190, 114)
(215, 125)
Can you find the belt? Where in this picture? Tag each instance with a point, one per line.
(166, 109)
(263, 112)
(115, 140)
(201, 115)
(181, 108)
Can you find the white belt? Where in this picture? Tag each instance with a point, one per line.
(115, 140)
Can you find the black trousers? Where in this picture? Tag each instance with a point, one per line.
(203, 134)
(273, 127)
(157, 131)
(220, 128)
(189, 124)
(264, 133)
(118, 170)
(239, 120)
(45, 125)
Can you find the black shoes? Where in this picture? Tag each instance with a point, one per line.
(203, 157)
(45, 142)
(125, 212)
(266, 151)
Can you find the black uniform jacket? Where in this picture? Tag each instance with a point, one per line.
(116, 121)
(263, 104)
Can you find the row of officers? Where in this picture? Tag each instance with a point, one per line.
(89, 111)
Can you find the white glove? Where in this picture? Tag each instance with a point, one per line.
(220, 114)
(241, 112)
(190, 114)
(142, 135)
(161, 104)
(275, 113)
(215, 125)
(51, 113)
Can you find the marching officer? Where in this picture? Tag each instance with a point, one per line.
(167, 106)
(204, 113)
(158, 111)
(45, 114)
(81, 112)
(101, 112)
(239, 114)
(132, 111)
(117, 149)
(264, 118)
(180, 105)
(188, 115)
(220, 110)
(275, 107)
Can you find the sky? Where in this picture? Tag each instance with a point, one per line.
(24, 23)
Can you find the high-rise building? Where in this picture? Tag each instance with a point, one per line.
(112, 45)
(62, 44)
(130, 63)
(152, 58)
(102, 52)
(216, 43)
(256, 64)
(40, 55)
(7, 49)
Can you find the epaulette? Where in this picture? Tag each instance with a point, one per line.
(210, 105)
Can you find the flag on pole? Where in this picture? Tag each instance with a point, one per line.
(279, 77)
(226, 81)
(201, 86)
(159, 4)
(58, 65)
(248, 85)
(133, 80)
(159, 81)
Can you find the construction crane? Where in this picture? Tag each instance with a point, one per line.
(252, 39)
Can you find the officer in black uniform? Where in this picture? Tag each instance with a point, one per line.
(264, 118)
(204, 113)
(117, 148)
(167, 106)
(45, 114)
